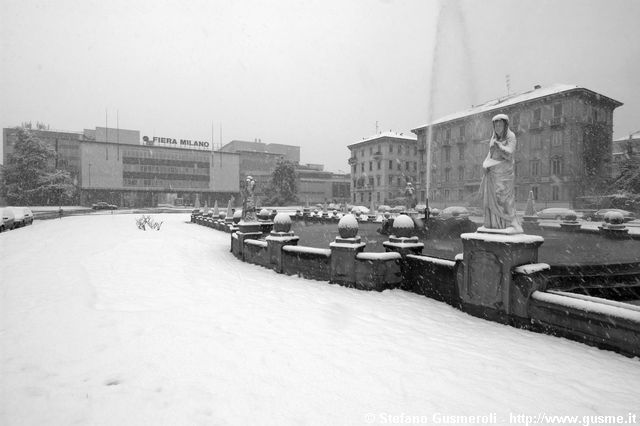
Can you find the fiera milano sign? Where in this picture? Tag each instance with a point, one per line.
(175, 143)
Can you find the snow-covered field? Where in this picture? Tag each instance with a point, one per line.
(104, 324)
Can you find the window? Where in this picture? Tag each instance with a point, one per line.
(556, 138)
(362, 152)
(447, 174)
(377, 196)
(407, 165)
(447, 135)
(390, 165)
(378, 181)
(535, 167)
(462, 132)
(415, 166)
(555, 193)
(415, 150)
(362, 167)
(371, 181)
(534, 189)
(390, 148)
(370, 165)
(537, 113)
(447, 153)
(379, 165)
(461, 152)
(446, 194)
(378, 149)
(460, 173)
(399, 164)
(595, 115)
(556, 166)
(557, 110)
(370, 150)
(390, 180)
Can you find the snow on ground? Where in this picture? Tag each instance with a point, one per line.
(104, 324)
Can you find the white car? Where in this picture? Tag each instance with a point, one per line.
(23, 216)
(557, 213)
(8, 219)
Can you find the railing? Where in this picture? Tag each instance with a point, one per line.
(557, 121)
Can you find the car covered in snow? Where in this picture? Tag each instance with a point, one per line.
(23, 216)
(599, 215)
(557, 213)
(101, 205)
(454, 211)
(8, 219)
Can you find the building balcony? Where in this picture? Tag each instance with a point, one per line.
(557, 121)
(377, 155)
(352, 161)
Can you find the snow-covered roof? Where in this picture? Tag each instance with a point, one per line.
(396, 135)
(509, 100)
(631, 136)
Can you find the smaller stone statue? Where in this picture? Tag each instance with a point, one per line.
(409, 194)
(248, 200)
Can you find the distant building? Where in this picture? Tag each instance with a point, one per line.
(318, 186)
(381, 167)
(259, 160)
(564, 147)
(623, 149)
(114, 165)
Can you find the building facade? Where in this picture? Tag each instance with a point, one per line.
(564, 147)
(113, 165)
(381, 167)
(259, 160)
(318, 186)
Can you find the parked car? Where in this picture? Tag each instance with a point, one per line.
(557, 213)
(599, 215)
(454, 211)
(23, 216)
(8, 219)
(101, 205)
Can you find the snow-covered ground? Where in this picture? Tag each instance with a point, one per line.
(104, 324)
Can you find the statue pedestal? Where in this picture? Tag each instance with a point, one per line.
(249, 226)
(275, 242)
(403, 245)
(246, 231)
(343, 260)
(490, 255)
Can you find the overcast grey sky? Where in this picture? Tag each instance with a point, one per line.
(318, 74)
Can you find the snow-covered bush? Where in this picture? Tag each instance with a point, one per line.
(146, 221)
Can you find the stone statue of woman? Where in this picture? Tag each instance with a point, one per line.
(248, 200)
(498, 183)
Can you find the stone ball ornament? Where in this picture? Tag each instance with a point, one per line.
(614, 218)
(348, 226)
(570, 217)
(237, 215)
(223, 215)
(403, 226)
(263, 214)
(282, 222)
